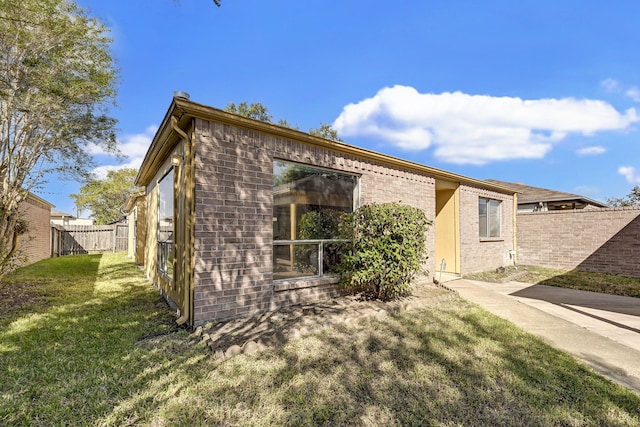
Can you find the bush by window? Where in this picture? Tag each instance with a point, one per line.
(385, 250)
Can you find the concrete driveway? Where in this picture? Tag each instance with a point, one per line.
(601, 330)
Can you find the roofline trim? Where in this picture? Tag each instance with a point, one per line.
(567, 199)
(184, 110)
(32, 196)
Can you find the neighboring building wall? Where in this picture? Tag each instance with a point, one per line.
(484, 254)
(602, 240)
(234, 213)
(72, 221)
(36, 243)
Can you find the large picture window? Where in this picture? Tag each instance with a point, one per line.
(165, 224)
(307, 202)
(489, 211)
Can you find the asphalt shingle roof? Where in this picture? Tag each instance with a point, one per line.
(530, 194)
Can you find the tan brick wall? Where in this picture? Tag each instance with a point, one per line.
(603, 240)
(233, 274)
(36, 244)
(483, 254)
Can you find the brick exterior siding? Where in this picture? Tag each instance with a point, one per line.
(233, 228)
(483, 255)
(36, 243)
(602, 240)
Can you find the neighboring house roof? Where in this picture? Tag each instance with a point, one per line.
(183, 110)
(56, 213)
(529, 194)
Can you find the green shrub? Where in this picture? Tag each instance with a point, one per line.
(386, 249)
(321, 224)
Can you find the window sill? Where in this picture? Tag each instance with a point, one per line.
(492, 239)
(303, 282)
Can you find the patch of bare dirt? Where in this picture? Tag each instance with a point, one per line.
(15, 295)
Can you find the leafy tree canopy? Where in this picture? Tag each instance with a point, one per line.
(253, 111)
(58, 78)
(631, 199)
(259, 112)
(105, 197)
(325, 131)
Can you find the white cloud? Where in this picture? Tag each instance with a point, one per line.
(476, 129)
(133, 146)
(613, 86)
(610, 85)
(630, 174)
(595, 150)
(633, 93)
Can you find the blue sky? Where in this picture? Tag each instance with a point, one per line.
(546, 93)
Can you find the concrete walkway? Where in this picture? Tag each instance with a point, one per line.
(601, 330)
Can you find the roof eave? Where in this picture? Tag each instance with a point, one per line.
(564, 199)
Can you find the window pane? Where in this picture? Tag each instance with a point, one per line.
(293, 261)
(494, 218)
(304, 199)
(489, 218)
(482, 208)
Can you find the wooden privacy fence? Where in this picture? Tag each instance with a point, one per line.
(84, 239)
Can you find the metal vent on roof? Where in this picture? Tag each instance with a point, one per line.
(180, 94)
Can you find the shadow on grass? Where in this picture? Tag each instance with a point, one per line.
(70, 358)
(611, 284)
(452, 366)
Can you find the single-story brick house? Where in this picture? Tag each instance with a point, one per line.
(224, 196)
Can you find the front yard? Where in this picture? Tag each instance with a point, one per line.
(85, 340)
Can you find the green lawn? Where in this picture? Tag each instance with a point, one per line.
(85, 340)
(595, 282)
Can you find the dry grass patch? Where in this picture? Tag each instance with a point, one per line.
(572, 279)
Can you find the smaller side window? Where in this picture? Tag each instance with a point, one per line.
(165, 224)
(489, 218)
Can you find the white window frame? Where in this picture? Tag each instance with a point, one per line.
(490, 223)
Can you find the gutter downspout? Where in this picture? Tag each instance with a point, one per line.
(186, 240)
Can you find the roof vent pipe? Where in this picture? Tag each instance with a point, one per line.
(180, 94)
